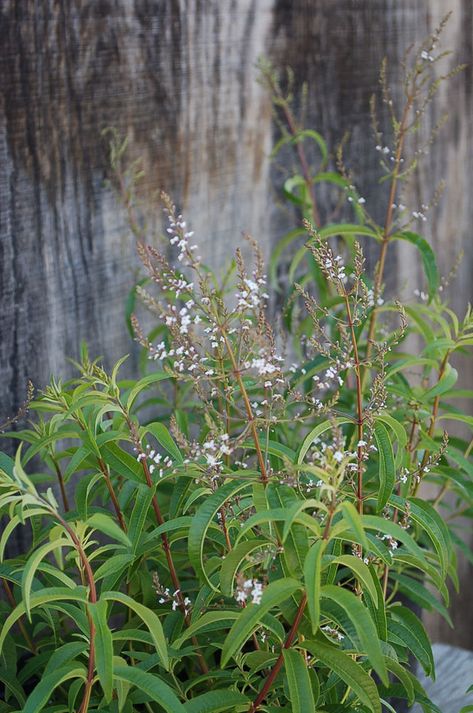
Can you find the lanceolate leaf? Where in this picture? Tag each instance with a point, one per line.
(298, 681)
(363, 624)
(233, 562)
(103, 647)
(387, 471)
(216, 701)
(39, 697)
(32, 565)
(312, 577)
(202, 520)
(348, 670)
(148, 617)
(428, 259)
(44, 596)
(408, 627)
(153, 686)
(250, 617)
(316, 432)
(164, 438)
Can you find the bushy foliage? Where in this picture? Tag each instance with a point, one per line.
(235, 528)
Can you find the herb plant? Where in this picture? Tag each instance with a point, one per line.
(234, 530)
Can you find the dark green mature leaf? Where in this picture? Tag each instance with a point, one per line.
(49, 595)
(312, 578)
(142, 384)
(148, 617)
(202, 520)
(348, 670)
(153, 686)
(164, 438)
(122, 463)
(387, 471)
(103, 647)
(250, 617)
(428, 259)
(216, 701)
(408, 627)
(39, 697)
(298, 681)
(363, 624)
(233, 562)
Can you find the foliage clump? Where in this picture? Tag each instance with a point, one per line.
(241, 528)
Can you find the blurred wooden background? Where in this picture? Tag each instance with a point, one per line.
(178, 77)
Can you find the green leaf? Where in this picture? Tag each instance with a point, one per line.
(164, 438)
(103, 647)
(215, 701)
(143, 384)
(8, 680)
(363, 623)
(408, 627)
(45, 596)
(444, 384)
(39, 697)
(425, 515)
(250, 617)
(387, 471)
(316, 432)
(207, 622)
(148, 617)
(298, 681)
(347, 229)
(143, 498)
(152, 686)
(202, 520)
(360, 570)
(106, 524)
(312, 576)
(122, 462)
(33, 564)
(353, 518)
(428, 259)
(233, 562)
(350, 672)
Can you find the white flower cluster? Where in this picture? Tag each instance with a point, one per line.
(250, 588)
(166, 596)
(251, 297)
(181, 317)
(157, 460)
(426, 56)
(422, 295)
(335, 268)
(370, 298)
(333, 633)
(266, 365)
(331, 376)
(213, 449)
(181, 238)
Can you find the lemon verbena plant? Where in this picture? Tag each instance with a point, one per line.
(244, 527)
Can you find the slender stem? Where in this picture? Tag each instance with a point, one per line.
(11, 599)
(113, 497)
(433, 421)
(359, 406)
(62, 486)
(172, 569)
(294, 130)
(277, 666)
(388, 223)
(291, 635)
(92, 598)
(248, 409)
